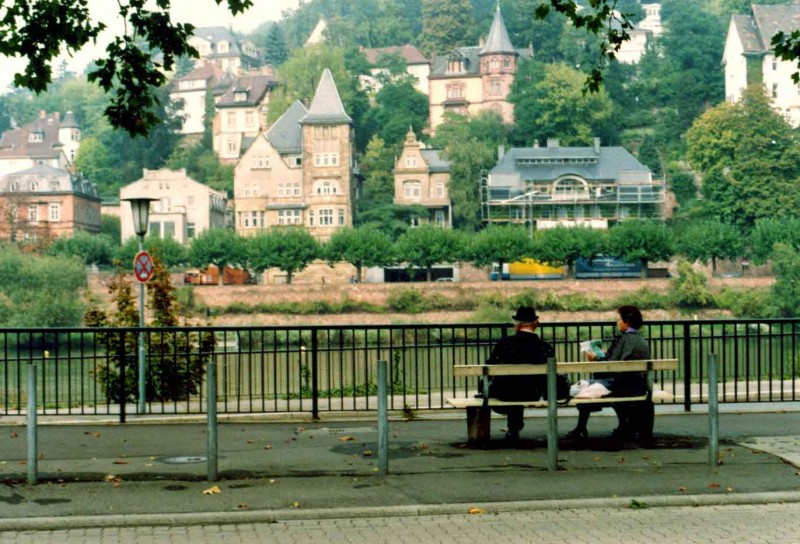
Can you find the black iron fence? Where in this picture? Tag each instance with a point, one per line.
(326, 369)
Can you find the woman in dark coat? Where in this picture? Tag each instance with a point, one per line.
(635, 419)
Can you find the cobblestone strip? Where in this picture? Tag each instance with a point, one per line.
(743, 524)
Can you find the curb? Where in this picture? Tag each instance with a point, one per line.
(275, 516)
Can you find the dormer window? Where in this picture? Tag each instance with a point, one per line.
(55, 185)
(240, 96)
(34, 186)
(36, 136)
(457, 62)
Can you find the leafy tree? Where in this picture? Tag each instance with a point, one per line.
(289, 249)
(398, 106)
(111, 227)
(642, 241)
(648, 156)
(361, 247)
(786, 289)
(750, 160)
(29, 296)
(549, 102)
(770, 231)
(89, 248)
(689, 288)
(682, 185)
(391, 219)
(445, 25)
(170, 251)
(710, 240)
(498, 244)
(376, 169)
(428, 245)
(565, 244)
(136, 61)
(277, 52)
(470, 144)
(220, 247)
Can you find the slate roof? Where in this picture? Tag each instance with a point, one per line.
(286, 134)
(207, 71)
(756, 30)
(45, 175)
(606, 164)
(435, 162)
(255, 87)
(326, 106)
(472, 54)
(16, 143)
(408, 52)
(498, 40)
(214, 34)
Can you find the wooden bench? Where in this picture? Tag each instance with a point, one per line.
(479, 409)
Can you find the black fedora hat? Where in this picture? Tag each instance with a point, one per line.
(525, 314)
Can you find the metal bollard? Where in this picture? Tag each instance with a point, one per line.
(211, 413)
(383, 421)
(713, 414)
(32, 431)
(552, 416)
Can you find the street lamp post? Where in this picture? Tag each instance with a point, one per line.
(140, 209)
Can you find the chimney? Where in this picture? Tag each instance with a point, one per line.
(501, 151)
(552, 142)
(597, 145)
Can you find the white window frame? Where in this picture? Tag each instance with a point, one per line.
(54, 212)
(326, 159)
(33, 213)
(326, 217)
(412, 190)
(260, 162)
(411, 161)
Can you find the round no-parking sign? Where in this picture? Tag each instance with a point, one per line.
(143, 267)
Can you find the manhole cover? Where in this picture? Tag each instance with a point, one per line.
(185, 459)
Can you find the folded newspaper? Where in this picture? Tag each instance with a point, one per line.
(593, 346)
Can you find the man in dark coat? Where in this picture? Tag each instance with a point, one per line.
(525, 347)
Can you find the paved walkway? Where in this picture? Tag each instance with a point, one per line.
(110, 475)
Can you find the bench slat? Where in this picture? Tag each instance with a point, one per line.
(461, 371)
(478, 402)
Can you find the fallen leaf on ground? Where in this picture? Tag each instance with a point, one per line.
(249, 441)
(729, 489)
(272, 480)
(646, 457)
(213, 490)
(119, 462)
(682, 488)
(268, 447)
(300, 430)
(595, 458)
(714, 486)
(96, 435)
(243, 506)
(367, 453)
(295, 504)
(476, 510)
(621, 460)
(14, 435)
(346, 438)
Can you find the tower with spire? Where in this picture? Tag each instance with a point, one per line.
(327, 161)
(471, 79)
(498, 68)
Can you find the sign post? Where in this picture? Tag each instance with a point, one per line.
(143, 271)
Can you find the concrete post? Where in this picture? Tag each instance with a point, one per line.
(211, 414)
(713, 415)
(552, 416)
(33, 454)
(383, 421)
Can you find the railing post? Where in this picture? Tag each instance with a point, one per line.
(383, 421)
(314, 375)
(33, 442)
(687, 368)
(713, 414)
(123, 393)
(552, 416)
(211, 416)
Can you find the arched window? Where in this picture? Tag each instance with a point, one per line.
(34, 186)
(570, 188)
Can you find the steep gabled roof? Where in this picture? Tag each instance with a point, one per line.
(18, 142)
(326, 106)
(407, 52)
(286, 135)
(498, 40)
(755, 31)
(254, 86)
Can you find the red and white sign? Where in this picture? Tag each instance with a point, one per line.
(143, 267)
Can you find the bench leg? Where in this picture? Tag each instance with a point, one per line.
(479, 424)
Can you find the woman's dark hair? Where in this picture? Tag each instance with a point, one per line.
(631, 315)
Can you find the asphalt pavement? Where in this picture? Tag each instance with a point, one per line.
(96, 473)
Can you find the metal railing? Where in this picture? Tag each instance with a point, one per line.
(327, 369)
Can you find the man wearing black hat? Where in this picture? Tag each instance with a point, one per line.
(525, 347)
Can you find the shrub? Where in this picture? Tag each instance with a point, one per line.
(645, 299)
(689, 288)
(747, 302)
(407, 301)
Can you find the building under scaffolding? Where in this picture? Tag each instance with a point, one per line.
(541, 187)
